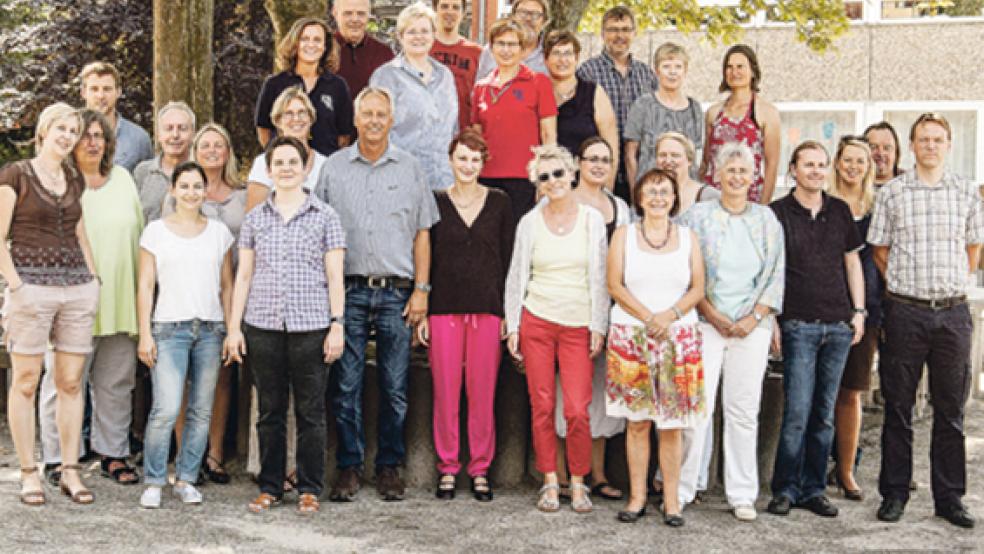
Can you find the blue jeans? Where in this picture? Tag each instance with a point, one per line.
(381, 308)
(186, 351)
(814, 355)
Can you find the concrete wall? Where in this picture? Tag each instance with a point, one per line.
(877, 62)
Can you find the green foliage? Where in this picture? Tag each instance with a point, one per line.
(818, 22)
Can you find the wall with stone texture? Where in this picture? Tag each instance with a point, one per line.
(879, 62)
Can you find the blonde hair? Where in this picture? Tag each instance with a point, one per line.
(100, 69)
(291, 93)
(688, 146)
(670, 50)
(49, 116)
(549, 152)
(230, 173)
(413, 12)
(867, 181)
(287, 47)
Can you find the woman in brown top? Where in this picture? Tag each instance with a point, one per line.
(51, 293)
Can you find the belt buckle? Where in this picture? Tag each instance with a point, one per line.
(376, 282)
(935, 304)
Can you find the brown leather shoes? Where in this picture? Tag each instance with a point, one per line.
(389, 484)
(347, 484)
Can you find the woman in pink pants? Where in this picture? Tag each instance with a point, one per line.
(470, 251)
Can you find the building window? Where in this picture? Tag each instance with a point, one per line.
(826, 126)
(914, 9)
(963, 124)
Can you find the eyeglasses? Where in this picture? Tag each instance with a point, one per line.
(298, 115)
(93, 137)
(604, 160)
(504, 44)
(619, 30)
(529, 14)
(556, 174)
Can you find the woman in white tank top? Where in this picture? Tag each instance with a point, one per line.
(656, 277)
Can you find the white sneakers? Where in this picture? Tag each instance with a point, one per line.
(745, 512)
(151, 497)
(185, 492)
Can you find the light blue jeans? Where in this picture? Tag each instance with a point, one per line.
(186, 351)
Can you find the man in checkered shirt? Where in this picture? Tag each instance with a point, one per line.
(927, 228)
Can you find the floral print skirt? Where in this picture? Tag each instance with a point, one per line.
(649, 379)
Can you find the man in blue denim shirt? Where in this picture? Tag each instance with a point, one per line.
(387, 208)
(101, 90)
(823, 316)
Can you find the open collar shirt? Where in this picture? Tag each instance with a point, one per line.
(289, 291)
(622, 90)
(382, 206)
(927, 229)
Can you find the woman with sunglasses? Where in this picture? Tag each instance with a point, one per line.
(515, 110)
(596, 169)
(557, 311)
(854, 183)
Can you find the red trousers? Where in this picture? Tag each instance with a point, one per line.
(464, 348)
(543, 343)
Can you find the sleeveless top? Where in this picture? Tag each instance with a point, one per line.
(746, 130)
(656, 280)
(575, 118)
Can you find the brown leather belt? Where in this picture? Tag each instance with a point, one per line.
(937, 304)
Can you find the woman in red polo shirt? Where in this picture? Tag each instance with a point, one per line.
(515, 110)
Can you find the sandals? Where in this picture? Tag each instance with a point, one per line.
(446, 487)
(308, 504)
(32, 498)
(604, 490)
(124, 473)
(82, 495)
(264, 502)
(217, 474)
(481, 489)
(581, 505)
(545, 503)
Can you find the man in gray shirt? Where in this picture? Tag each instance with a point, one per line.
(387, 209)
(101, 90)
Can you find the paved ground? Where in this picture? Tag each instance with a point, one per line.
(510, 523)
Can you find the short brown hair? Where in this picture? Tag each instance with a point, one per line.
(100, 69)
(509, 25)
(287, 47)
(618, 13)
(656, 175)
(744, 50)
(471, 139)
(109, 134)
(930, 117)
(543, 4)
(807, 145)
(281, 140)
(560, 38)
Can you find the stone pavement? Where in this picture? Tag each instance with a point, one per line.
(115, 523)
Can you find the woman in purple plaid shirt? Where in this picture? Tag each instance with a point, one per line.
(290, 287)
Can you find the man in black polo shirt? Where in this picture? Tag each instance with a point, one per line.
(823, 315)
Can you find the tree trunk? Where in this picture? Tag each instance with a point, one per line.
(183, 54)
(566, 14)
(283, 13)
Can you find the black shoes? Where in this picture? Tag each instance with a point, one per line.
(446, 487)
(627, 516)
(956, 514)
(780, 506)
(673, 520)
(819, 505)
(481, 489)
(891, 510)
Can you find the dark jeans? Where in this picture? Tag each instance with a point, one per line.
(381, 308)
(912, 336)
(521, 193)
(279, 360)
(813, 356)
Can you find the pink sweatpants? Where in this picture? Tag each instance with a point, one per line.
(541, 343)
(464, 346)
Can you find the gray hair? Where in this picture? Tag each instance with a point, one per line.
(549, 152)
(177, 106)
(732, 150)
(382, 91)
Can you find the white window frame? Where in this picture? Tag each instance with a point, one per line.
(870, 14)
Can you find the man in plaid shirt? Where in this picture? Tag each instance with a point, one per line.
(927, 228)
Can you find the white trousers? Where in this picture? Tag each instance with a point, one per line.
(741, 364)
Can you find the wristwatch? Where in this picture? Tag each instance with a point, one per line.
(339, 319)
(423, 287)
(861, 311)
(677, 312)
(757, 316)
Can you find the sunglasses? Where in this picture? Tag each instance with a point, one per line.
(556, 174)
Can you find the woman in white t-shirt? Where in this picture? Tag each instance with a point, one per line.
(188, 257)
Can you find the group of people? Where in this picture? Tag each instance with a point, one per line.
(620, 241)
